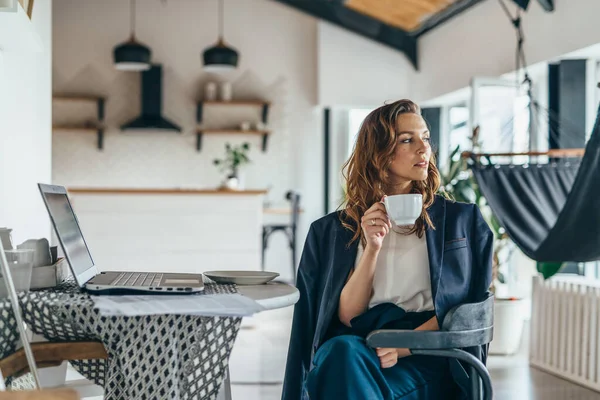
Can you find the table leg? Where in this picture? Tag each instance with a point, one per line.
(225, 392)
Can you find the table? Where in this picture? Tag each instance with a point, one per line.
(172, 356)
(271, 296)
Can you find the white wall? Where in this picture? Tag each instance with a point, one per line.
(278, 61)
(482, 42)
(356, 71)
(25, 135)
(479, 42)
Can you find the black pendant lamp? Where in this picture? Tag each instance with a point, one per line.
(132, 55)
(220, 57)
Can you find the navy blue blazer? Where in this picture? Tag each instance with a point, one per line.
(460, 260)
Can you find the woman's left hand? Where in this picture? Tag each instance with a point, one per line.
(388, 357)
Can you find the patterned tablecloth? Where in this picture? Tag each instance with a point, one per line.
(149, 357)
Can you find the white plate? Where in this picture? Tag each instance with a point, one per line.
(241, 277)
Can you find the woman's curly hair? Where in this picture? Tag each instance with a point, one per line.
(367, 170)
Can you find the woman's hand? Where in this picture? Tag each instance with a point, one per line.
(375, 225)
(388, 357)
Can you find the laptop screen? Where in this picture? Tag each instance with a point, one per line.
(68, 231)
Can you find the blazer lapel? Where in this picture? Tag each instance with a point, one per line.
(435, 244)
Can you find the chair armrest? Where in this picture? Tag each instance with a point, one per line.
(399, 338)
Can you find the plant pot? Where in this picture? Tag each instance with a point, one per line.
(231, 183)
(509, 317)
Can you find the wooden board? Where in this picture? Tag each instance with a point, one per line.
(46, 394)
(165, 191)
(554, 153)
(48, 354)
(76, 97)
(217, 131)
(404, 14)
(237, 102)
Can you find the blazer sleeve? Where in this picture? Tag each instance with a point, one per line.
(483, 249)
(304, 320)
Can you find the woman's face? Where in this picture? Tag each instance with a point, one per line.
(413, 150)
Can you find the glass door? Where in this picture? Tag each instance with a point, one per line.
(500, 110)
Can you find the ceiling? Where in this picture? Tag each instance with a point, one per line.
(407, 15)
(396, 23)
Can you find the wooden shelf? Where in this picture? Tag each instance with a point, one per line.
(201, 132)
(83, 190)
(259, 103)
(91, 129)
(77, 97)
(97, 127)
(554, 153)
(281, 210)
(233, 131)
(236, 102)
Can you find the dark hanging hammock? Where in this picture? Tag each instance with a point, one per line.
(551, 211)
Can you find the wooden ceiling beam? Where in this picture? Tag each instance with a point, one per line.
(445, 15)
(404, 14)
(337, 13)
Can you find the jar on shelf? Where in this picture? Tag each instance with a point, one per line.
(226, 91)
(210, 91)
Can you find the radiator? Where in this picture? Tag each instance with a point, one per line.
(565, 331)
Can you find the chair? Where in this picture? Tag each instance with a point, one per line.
(50, 354)
(288, 229)
(46, 394)
(466, 325)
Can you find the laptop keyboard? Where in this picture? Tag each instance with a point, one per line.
(137, 279)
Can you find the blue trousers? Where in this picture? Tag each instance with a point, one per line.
(346, 368)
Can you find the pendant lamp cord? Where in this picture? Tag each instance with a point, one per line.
(221, 20)
(132, 18)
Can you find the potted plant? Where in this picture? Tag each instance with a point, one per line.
(509, 311)
(235, 158)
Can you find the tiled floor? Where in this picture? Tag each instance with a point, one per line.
(257, 366)
(260, 352)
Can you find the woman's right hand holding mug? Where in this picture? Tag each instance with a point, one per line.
(375, 225)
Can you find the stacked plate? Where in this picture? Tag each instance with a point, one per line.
(241, 277)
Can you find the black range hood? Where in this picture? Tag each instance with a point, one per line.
(151, 117)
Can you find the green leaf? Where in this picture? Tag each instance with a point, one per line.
(547, 269)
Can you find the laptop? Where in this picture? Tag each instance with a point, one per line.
(77, 253)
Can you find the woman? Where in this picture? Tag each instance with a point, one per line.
(360, 272)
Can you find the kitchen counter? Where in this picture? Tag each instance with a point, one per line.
(83, 190)
(179, 230)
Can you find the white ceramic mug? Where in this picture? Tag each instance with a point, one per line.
(404, 209)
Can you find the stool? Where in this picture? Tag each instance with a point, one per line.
(288, 229)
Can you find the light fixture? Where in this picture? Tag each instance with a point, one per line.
(220, 57)
(132, 55)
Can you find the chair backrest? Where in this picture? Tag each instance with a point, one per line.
(470, 316)
(294, 199)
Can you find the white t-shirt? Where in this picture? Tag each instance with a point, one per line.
(402, 272)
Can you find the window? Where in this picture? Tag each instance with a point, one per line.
(459, 130)
(501, 110)
(356, 116)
